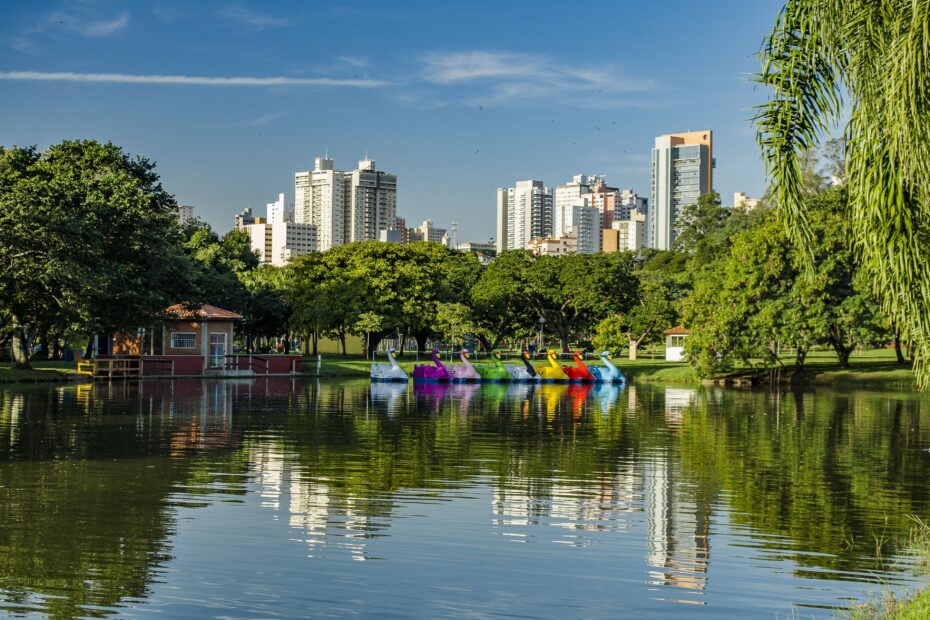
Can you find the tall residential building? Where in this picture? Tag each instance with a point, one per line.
(276, 210)
(345, 206)
(244, 218)
(428, 232)
(627, 201)
(627, 235)
(524, 212)
(371, 201)
(580, 220)
(575, 214)
(276, 239)
(400, 225)
(682, 170)
(185, 214)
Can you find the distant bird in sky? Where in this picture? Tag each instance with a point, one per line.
(476, 151)
(480, 107)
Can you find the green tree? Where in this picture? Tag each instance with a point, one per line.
(217, 265)
(500, 305)
(266, 314)
(88, 242)
(653, 311)
(572, 292)
(877, 54)
(454, 322)
(760, 297)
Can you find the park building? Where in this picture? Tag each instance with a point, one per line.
(524, 212)
(682, 170)
(345, 206)
(626, 235)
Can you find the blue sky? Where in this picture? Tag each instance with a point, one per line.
(456, 98)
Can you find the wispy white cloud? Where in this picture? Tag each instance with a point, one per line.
(353, 61)
(194, 80)
(88, 27)
(57, 23)
(245, 16)
(501, 77)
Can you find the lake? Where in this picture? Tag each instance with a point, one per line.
(292, 498)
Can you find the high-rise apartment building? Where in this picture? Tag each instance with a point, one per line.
(627, 235)
(345, 206)
(244, 218)
(371, 201)
(682, 170)
(400, 225)
(276, 210)
(524, 212)
(185, 214)
(627, 202)
(575, 214)
(276, 239)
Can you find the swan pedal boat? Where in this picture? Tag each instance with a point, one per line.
(388, 372)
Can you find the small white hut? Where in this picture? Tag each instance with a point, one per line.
(675, 343)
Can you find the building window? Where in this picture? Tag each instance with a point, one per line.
(183, 340)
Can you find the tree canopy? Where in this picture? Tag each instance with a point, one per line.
(877, 56)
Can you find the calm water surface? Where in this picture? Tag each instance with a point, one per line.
(281, 499)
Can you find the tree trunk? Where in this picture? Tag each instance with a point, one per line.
(43, 346)
(634, 348)
(842, 354)
(57, 348)
(487, 344)
(22, 346)
(342, 341)
(564, 339)
(897, 348)
(421, 342)
(315, 337)
(800, 355)
(89, 349)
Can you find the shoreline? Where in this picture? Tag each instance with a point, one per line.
(871, 370)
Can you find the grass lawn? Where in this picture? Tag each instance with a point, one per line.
(873, 368)
(41, 371)
(640, 370)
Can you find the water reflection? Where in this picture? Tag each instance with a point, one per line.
(636, 482)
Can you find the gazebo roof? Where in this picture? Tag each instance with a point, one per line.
(204, 312)
(678, 330)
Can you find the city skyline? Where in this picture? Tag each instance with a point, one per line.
(230, 99)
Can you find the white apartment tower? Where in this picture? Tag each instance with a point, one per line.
(276, 238)
(524, 212)
(276, 210)
(345, 206)
(575, 215)
(371, 201)
(682, 170)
